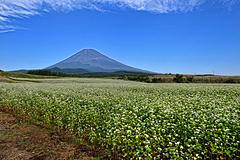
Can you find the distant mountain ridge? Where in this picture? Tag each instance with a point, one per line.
(93, 61)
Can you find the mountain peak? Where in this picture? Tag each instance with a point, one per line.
(93, 61)
(88, 50)
(85, 56)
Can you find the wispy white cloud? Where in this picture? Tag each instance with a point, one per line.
(12, 9)
(229, 3)
(7, 30)
(160, 6)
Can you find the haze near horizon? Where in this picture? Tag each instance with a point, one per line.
(164, 36)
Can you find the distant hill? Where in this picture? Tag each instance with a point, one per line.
(69, 70)
(21, 71)
(90, 60)
(117, 73)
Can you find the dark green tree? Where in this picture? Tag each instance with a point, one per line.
(178, 78)
(190, 79)
(154, 80)
(230, 80)
(157, 80)
(47, 73)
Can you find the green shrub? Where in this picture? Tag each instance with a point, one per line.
(178, 78)
(190, 79)
(230, 80)
(158, 80)
(154, 80)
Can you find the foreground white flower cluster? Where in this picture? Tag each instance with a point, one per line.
(136, 120)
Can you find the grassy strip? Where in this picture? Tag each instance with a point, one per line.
(21, 75)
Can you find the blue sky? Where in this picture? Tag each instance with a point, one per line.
(165, 36)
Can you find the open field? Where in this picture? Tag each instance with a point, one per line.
(165, 78)
(136, 120)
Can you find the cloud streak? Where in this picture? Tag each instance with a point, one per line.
(14, 9)
(6, 31)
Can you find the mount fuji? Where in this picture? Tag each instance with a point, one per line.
(93, 61)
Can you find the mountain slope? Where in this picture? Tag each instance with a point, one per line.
(93, 61)
(69, 70)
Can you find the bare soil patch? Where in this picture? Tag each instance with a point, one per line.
(21, 140)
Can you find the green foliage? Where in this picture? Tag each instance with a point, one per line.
(1, 70)
(141, 78)
(40, 72)
(190, 79)
(46, 73)
(179, 78)
(158, 80)
(230, 80)
(155, 80)
(125, 77)
(135, 120)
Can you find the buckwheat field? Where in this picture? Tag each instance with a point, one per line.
(132, 120)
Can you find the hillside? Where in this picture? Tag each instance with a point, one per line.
(69, 70)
